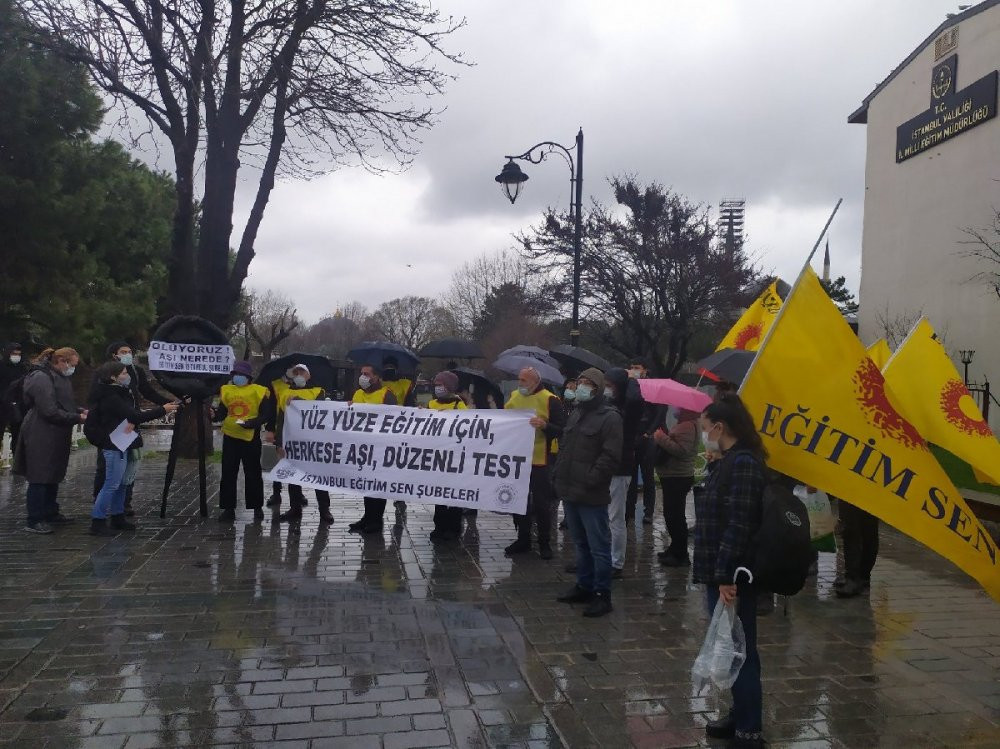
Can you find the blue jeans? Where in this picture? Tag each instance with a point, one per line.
(588, 525)
(110, 499)
(748, 698)
(41, 502)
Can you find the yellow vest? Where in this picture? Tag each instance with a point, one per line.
(375, 396)
(279, 386)
(306, 394)
(400, 388)
(437, 405)
(242, 402)
(539, 403)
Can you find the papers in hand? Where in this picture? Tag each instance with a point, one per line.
(123, 439)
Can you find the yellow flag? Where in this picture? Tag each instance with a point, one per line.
(749, 331)
(879, 352)
(827, 418)
(930, 389)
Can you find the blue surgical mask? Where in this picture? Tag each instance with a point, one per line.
(568, 394)
(241, 380)
(299, 380)
(125, 359)
(125, 380)
(584, 393)
(524, 391)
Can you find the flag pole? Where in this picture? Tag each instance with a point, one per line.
(904, 341)
(784, 304)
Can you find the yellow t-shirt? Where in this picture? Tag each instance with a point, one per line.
(457, 405)
(242, 402)
(539, 403)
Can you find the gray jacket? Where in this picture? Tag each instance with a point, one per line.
(680, 449)
(47, 431)
(589, 451)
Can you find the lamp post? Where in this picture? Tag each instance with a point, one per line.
(511, 179)
(966, 356)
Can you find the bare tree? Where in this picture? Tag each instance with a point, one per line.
(895, 326)
(269, 319)
(477, 280)
(335, 334)
(984, 247)
(291, 86)
(412, 321)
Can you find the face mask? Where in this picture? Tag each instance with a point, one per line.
(609, 393)
(569, 394)
(365, 382)
(524, 391)
(125, 380)
(299, 381)
(710, 444)
(241, 380)
(15, 359)
(125, 359)
(635, 374)
(69, 371)
(584, 393)
(440, 392)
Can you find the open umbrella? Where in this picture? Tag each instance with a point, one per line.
(321, 371)
(512, 364)
(577, 359)
(531, 351)
(728, 364)
(375, 353)
(673, 393)
(452, 348)
(481, 385)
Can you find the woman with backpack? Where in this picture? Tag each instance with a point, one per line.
(112, 403)
(728, 515)
(43, 445)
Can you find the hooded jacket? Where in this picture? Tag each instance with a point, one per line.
(109, 406)
(628, 400)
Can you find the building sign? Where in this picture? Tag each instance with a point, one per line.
(946, 43)
(952, 112)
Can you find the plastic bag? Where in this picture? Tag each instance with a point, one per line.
(723, 652)
(822, 523)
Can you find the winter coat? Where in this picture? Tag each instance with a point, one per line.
(109, 406)
(628, 400)
(47, 431)
(589, 452)
(10, 396)
(139, 387)
(678, 450)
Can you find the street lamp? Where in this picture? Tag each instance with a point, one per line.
(511, 179)
(966, 356)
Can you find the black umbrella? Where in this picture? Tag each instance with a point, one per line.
(728, 364)
(577, 359)
(374, 353)
(321, 371)
(482, 386)
(452, 348)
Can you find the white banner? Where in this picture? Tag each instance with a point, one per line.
(191, 357)
(476, 459)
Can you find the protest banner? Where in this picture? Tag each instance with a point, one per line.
(828, 418)
(750, 329)
(475, 459)
(196, 358)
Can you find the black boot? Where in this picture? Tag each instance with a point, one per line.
(119, 523)
(576, 594)
(99, 527)
(723, 728)
(520, 546)
(599, 605)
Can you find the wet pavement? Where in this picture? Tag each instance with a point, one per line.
(194, 633)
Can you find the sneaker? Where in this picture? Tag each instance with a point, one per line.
(576, 594)
(227, 516)
(545, 551)
(274, 501)
(58, 519)
(99, 527)
(119, 523)
(747, 741)
(325, 516)
(850, 589)
(722, 728)
(258, 513)
(39, 527)
(518, 547)
(292, 516)
(357, 525)
(599, 605)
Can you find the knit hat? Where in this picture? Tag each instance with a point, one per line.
(447, 380)
(243, 368)
(595, 375)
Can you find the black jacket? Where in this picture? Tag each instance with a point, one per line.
(140, 388)
(109, 406)
(628, 400)
(10, 396)
(589, 452)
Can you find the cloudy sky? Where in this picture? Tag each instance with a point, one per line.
(716, 99)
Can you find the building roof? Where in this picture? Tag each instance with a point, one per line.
(860, 115)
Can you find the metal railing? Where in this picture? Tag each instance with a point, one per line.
(983, 396)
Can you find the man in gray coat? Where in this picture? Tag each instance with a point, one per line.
(589, 453)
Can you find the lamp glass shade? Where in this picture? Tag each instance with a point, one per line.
(510, 179)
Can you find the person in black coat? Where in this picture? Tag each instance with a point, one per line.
(12, 369)
(622, 392)
(141, 388)
(112, 402)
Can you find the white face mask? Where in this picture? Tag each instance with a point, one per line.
(365, 382)
(440, 392)
(69, 371)
(524, 391)
(15, 359)
(125, 359)
(710, 444)
(635, 374)
(299, 380)
(609, 393)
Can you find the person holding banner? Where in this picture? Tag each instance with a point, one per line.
(548, 422)
(111, 403)
(727, 516)
(298, 390)
(371, 390)
(589, 454)
(239, 410)
(447, 520)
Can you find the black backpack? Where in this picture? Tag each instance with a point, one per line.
(781, 551)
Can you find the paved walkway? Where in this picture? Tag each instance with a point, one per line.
(192, 633)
